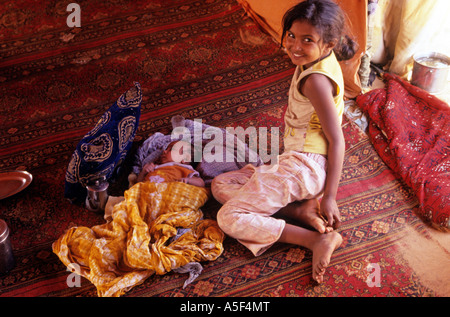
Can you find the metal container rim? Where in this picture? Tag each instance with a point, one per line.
(430, 54)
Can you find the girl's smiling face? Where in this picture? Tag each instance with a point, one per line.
(304, 44)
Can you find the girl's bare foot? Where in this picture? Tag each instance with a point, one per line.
(322, 249)
(307, 212)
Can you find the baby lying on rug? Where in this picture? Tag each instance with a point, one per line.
(172, 165)
(204, 138)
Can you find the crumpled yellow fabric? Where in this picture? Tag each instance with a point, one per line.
(122, 253)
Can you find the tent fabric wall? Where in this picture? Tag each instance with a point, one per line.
(269, 14)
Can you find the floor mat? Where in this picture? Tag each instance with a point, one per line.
(203, 60)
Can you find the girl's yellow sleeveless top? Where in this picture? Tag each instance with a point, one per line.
(303, 131)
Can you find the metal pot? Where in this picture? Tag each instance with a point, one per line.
(430, 71)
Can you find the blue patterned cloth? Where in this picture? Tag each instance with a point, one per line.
(105, 147)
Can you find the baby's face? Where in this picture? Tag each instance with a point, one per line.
(180, 152)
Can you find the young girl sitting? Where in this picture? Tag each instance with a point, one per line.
(310, 167)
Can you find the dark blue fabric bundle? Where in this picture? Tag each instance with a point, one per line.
(105, 147)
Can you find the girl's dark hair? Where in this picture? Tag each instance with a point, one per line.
(329, 20)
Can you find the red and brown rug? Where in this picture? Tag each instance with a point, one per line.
(204, 60)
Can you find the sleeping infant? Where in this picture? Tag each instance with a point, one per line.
(172, 165)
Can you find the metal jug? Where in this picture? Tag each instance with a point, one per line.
(97, 195)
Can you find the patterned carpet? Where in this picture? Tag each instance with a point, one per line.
(200, 59)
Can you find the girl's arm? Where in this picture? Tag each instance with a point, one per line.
(319, 90)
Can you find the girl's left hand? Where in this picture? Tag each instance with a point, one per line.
(330, 210)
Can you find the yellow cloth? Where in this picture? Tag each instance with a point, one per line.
(303, 129)
(121, 254)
